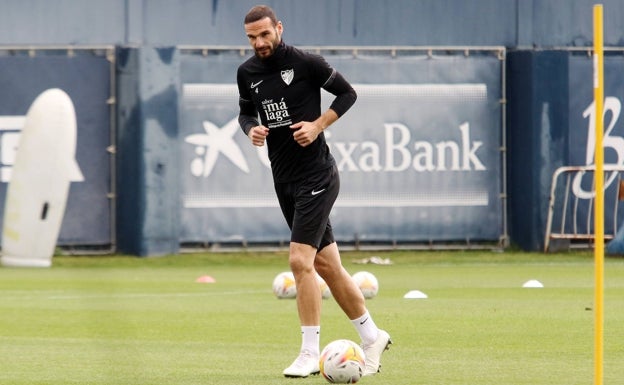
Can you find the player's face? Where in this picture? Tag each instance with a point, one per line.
(264, 37)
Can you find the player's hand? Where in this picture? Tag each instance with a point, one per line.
(306, 132)
(258, 135)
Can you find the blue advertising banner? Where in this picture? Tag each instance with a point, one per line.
(582, 139)
(86, 78)
(419, 153)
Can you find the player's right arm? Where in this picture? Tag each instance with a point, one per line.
(248, 115)
(257, 135)
(256, 132)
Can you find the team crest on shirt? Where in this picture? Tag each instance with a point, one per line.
(287, 76)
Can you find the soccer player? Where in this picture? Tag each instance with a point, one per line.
(282, 85)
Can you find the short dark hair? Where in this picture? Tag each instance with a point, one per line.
(259, 12)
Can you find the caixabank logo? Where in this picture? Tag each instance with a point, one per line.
(396, 153)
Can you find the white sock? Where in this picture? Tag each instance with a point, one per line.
(310, 339)
(366, 328)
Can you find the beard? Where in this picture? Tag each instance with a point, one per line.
(268, 50)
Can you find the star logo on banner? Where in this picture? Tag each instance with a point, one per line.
(214, 142)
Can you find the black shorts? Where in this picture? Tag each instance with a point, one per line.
(306, 205)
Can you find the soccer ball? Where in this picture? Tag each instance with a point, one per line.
(325, 292)
(284, 285)
(367, 283)
(342, 362)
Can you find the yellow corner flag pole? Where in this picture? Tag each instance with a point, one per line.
(599, 207)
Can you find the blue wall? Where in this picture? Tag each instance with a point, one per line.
(510, 23)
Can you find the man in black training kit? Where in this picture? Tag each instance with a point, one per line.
(282, 85)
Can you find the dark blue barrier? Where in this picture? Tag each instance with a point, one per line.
(551, 124)
(537, 127)
(86, 77)
(147, 151)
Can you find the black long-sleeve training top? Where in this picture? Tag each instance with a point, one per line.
(282, 90)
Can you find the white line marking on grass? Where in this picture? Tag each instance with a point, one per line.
(134, 295)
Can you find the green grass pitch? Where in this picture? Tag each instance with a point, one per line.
(126, 320)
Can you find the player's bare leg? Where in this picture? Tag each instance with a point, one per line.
(301, 262)
(350, 299)
(343, 289)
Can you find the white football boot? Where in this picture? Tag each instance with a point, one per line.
(373, 352)
(303, 366)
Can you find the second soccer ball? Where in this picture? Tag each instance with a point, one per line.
(367, 282)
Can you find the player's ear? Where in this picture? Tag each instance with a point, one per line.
(279, 28)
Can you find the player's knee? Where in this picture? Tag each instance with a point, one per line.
(301, 258)
(299, 264)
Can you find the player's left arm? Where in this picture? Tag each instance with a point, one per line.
(307, 132)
